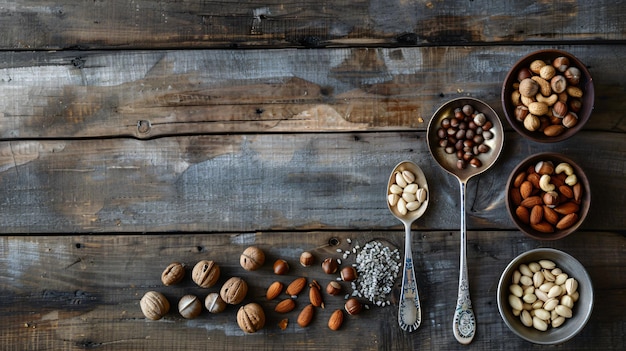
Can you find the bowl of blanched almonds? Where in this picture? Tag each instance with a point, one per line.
(545, 296)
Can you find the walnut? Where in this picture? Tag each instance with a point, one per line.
(154, 305)
(234, 290)
(205, 273)
(252, 258)
(173, 274)
(251, 317)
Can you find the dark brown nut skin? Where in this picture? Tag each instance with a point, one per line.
(234, 290)
(205, 273)
(330, 266)
(154, 305)
(281, 267)
(173, 274)
(251, 317)
(252, 258)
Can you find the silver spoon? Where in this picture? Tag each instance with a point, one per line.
(409, 311)
(464, 322)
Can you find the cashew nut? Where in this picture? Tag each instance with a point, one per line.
(564, 167)
(550, 100)
(544, 183)
(571, 180)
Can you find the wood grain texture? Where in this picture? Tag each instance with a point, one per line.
(158, 93)
(45, 24)
(267, 182)
(83, 292)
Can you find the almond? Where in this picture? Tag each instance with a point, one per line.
(531, 201)
(553, 130)
(315, 296)
(305, 317)
(566, 191)
(296, 286)
(526, 189)
(578, 192)
(521, 176)
(523, 214)
(543, 227)
(567, 208)
(534, 179)
(335, 320)
(274, 290)
(286, 305)
(516, 198)
(550, 215)
(536, 214)
(567, 221)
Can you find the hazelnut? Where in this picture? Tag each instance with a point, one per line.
(306, 259)
(333, 288)
(561, 63)
(521, 112)
(572, 74)
(551, 199)
(523, 74)
(281, 267)
(173, 274)
(348, 274)
(558, 84)
(353, 306)
(154, 305)
(252, 258)
(559, 109)
(189, 306)
(214, 303)
(330, 265)
(234, 290)
(251, 317)
(570, 120)
(544, 167)
(205, 273)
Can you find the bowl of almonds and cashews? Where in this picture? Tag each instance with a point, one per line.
(548, 196)
(545, 296)
(548, 96)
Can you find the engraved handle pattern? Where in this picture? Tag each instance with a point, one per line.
(409, 312)
(464, 323)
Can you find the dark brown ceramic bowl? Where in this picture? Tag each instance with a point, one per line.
(585, 84)
(583, 202)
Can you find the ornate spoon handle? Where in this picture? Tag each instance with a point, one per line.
(464, 324)
(409, 312)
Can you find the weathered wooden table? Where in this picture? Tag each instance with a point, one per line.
(138, 133)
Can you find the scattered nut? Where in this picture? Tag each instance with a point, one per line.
(173, 274)
(214, 303)
(333, 288)
(348, 274)
(336, 320)
(306, 316)
(306, 259)
(315, 296)
(281, 267)
(189, 306)
(251, 317)
(205, 273)
(330, 266)
(274, 290)
(353, 306)
(296, 287)
(154, 305)
(286, 305)
(252, 258)
(234, 291)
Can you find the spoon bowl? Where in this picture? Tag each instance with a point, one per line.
(409, 310)
(464, 323)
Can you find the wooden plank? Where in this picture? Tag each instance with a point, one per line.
(45, 24)
(146, 94)
(232, 183)
(81, 292)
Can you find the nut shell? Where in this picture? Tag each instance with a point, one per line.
(189, 306)
(330, 266)
(234, 290)
(154, 305)
(353, 306)
(251, 317)
(281, 267)
(214, 303)
(252, 258)
(173, 274)
(205, 273)
(306, 259)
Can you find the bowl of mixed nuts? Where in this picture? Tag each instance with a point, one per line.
(545, 296)
(548, 196)
(548, 96)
